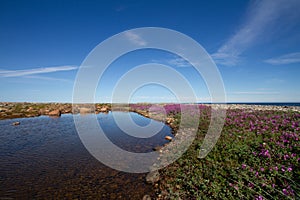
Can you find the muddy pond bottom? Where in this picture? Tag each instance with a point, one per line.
(44, 158)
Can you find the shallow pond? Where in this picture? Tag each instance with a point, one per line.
(44, 158)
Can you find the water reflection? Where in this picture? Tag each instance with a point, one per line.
(44, 158)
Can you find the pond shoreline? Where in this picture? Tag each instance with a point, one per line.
(11, 110)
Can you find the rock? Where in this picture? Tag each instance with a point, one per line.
(168, 138)
(157, 148)
(169, 120)
(85, 110)
(31, 115)
(17, 115)
(44, 111)
(104, 109)
(16, 123)
(68, 111)
(3, 109)
(152, 177)
(146, 197)
(55, 113)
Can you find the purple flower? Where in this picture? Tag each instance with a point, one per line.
(265, 153)
(244, 166)
(259, 198)
(250, 185)
(285, 192)
(289, 169)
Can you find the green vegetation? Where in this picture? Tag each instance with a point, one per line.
(256, 157)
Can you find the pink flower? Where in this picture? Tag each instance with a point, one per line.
(285, 192)
(259, 198)
(244, 166)
(236, 187)
(265, 153)
(290, 169)
(250, 185)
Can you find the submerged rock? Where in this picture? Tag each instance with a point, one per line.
(16, 123)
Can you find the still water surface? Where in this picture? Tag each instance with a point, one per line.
(43, 158)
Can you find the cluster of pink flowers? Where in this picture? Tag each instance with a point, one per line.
(274, 160)
(273, 157)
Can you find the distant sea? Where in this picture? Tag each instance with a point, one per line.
(264, 103)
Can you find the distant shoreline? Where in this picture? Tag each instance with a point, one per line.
(10, 110)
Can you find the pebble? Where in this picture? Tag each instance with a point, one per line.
(168, 138)
(146, 197)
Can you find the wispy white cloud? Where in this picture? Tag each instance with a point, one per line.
(254, 93)
(33, 71)
(135, 38)
(285, 59)
(178, 62)
(50, 79)
(174, 61)
(261, 18)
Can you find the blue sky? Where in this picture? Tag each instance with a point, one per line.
(255, 45)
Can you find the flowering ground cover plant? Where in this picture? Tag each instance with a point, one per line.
(256, 157)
